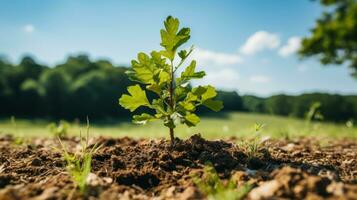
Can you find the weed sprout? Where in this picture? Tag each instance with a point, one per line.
(215, 189)
(78, 165)
(60, 130)
(251, 147)
(349, 123)
(18, 139)
(314, 112)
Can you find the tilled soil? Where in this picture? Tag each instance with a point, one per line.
(124, 168)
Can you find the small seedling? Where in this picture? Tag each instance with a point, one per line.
(14, 124)
(78, 165)
(314, 112)
(350, 123)
(258, 127)
(215, 189)
(251, 147)
(18, 139)
(175, 102)
(60, 130)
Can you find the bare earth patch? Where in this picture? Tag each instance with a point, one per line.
(125, 168)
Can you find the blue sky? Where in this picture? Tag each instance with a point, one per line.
(246, 46)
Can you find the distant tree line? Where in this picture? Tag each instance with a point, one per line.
(81, 87)
(334, 107)
(74, 89)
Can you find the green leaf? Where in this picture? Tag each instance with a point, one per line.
(132, 76)
(209, 94)
(180, 92)
(171, 25)
(154, 87)
(171, 39)
(191, 97)
(159, 116)
(191, 119)
(183, 54)
(187, 105)
(143, 118)
(158, 105)
(182, 37)
(156, 57)
(213, 104)
(148, 69)
(190, 73)
(144, 69)
(164, 77)
(136, 98)
(190, 70)
(159, 61)
(168, 54)
(199, 91)
(168, 36)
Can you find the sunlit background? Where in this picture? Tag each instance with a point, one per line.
(66, 60)
(246, 46)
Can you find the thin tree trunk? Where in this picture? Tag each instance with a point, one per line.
(172, 137)
(171, 102)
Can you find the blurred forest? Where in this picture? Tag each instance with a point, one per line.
(81, 87)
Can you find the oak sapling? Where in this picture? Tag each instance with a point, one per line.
(176, 101)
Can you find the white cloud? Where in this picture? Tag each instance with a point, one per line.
(260, 41)
(218, 67)
(259, 79)
(207, 57)
(225, 78)
(29, 28)
(290, 47)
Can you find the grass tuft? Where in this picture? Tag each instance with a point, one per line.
(215, 189)
(60, 130)
(251, 146)
(78, 165)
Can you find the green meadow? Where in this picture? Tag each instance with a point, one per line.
(212, 127)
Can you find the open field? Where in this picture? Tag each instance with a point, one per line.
(223, 126)
(287, 165)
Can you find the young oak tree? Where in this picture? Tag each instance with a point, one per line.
(176, 101)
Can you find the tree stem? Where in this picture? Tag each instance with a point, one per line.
(172, 137)
(171, 102)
